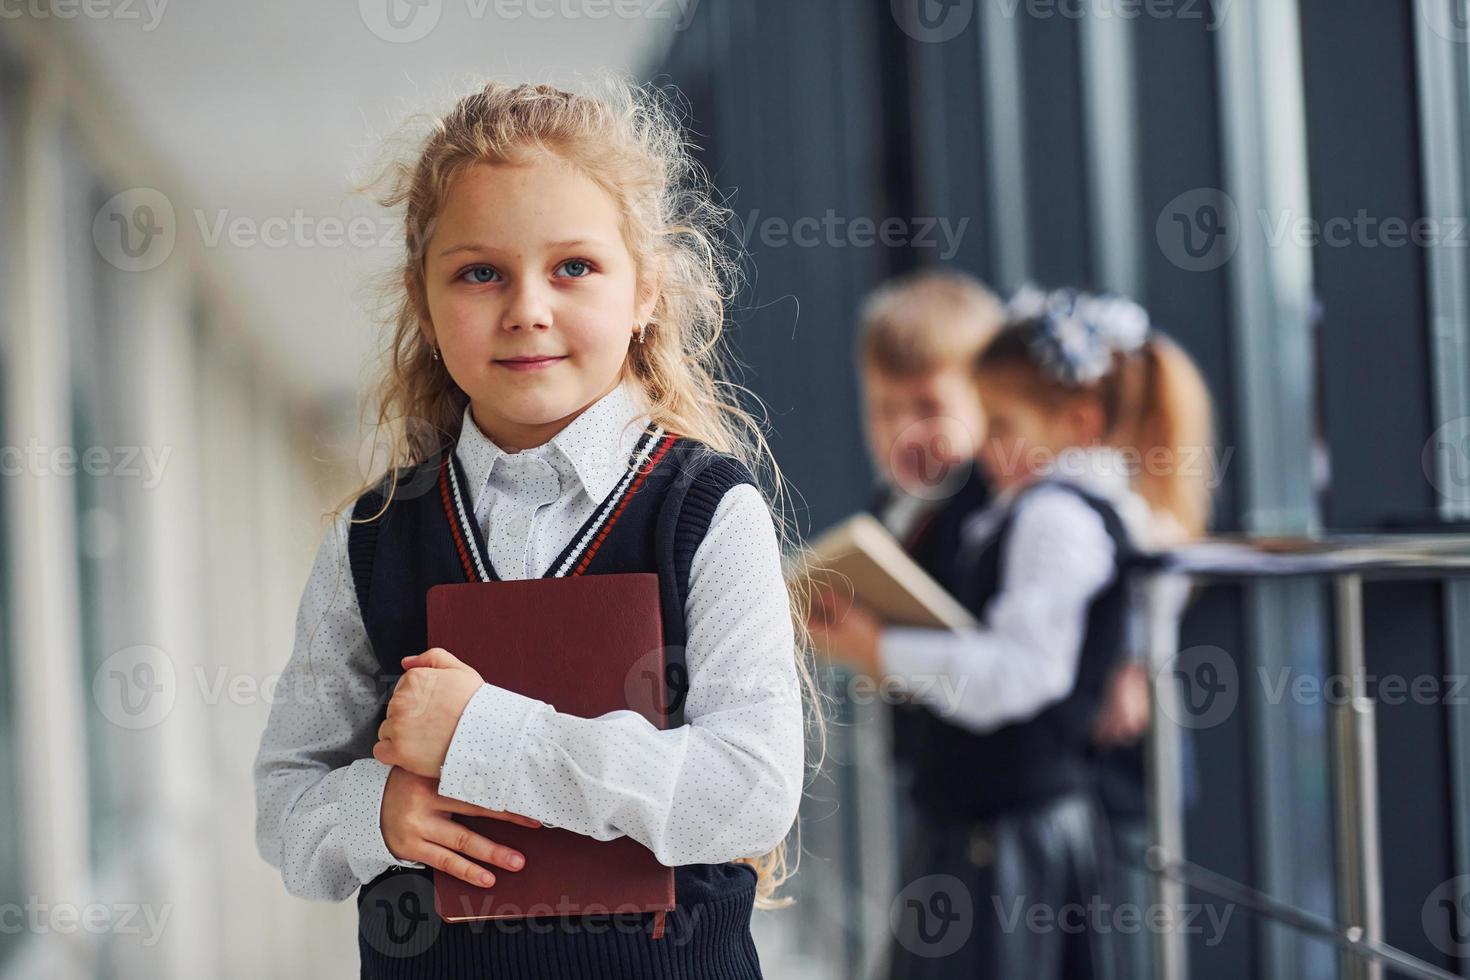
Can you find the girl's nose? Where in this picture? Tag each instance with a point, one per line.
(529, 306)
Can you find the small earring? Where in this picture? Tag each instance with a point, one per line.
(435, 351)
(640, 333)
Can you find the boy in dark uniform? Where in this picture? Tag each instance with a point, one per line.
(918, 336)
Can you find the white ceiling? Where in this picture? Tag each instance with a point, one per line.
(267, 110)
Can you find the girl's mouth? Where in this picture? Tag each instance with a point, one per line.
(536, 363)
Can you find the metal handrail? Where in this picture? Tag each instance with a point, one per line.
(1348, 938)
(1349, 559)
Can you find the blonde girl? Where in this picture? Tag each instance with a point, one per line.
(554, 387)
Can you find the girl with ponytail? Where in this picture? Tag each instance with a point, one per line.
(1098, 431)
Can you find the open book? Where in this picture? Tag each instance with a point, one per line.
(863, 562)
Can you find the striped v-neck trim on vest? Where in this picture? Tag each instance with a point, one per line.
(469, 544)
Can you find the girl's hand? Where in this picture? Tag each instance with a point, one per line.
(845, 632)
(416, 827)
(1123, 717)
(424, 710)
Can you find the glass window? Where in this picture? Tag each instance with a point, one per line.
(98, 316)
(12, 883)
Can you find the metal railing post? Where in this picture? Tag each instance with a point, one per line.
(1355, 785)
(1165, 797)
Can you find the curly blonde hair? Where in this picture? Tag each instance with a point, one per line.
(627, 138)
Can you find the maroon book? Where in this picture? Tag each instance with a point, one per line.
(587, 645)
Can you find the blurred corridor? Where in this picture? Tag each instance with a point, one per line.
(186, 317)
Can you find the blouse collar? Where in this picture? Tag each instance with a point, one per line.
(592, 450)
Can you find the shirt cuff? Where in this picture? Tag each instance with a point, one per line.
(904, 654)
(488, 743)
(362, 798)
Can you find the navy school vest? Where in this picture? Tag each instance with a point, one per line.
(965, 774)
(652, 521)
(933, 544)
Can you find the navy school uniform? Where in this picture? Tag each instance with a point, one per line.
(424, 538)
(1008, 819)
(932, 541)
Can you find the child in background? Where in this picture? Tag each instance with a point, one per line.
(1005, 783)
(919, 335)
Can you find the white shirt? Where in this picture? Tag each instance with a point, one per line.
(726, 785)
(1057, 557)
(903, 511)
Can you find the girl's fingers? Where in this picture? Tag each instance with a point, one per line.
(452, 805)
(462, 840)
(449, 862)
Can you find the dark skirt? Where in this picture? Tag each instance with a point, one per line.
(706, 936)
(1020, 895)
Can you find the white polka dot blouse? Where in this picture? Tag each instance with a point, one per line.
(723, 786)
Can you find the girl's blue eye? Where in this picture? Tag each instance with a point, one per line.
(570, 264)
(478, 274)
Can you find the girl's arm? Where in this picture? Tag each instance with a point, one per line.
(318, 790)
(727, 784)
(1057, 557)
